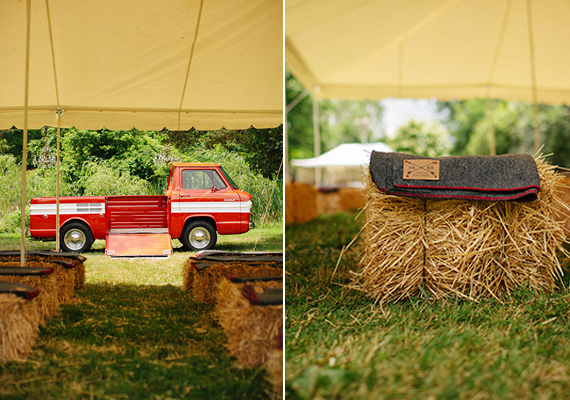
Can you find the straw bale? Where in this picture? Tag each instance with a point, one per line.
(205, 280)
(78, 270)
(47, 300)
(19, 325)
(300, 203)
(65, 278)
(289, 208)
(467, 248)
(328, 202)
(274, 368)
(188, 275)
(562, 207)
(351, 198)
(251, 330)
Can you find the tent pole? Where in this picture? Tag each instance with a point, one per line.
(533, 76)
(492, 141)
(23, 199)
(316, 135)
(536, 130)
(59, 113)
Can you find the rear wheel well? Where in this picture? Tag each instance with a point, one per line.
(76, 221)
(206, 219)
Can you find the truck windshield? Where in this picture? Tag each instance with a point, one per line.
(232, 183)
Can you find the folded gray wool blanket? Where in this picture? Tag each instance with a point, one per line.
(492, 178)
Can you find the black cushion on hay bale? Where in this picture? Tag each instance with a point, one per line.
(222, 253)
(71, 256)
(491, 178)
(262, 296)
(202, 265)
(241, 259)
(64, 263)
(25, 271)
(18, 289)
(244, 279)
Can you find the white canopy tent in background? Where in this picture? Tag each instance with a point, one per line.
(138, 63)
(340, 166)
(448, 49)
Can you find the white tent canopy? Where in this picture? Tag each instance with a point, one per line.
(148, 64)
(341, 166)
(448, 49)
(346, 154)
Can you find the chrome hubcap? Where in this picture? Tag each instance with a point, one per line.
(199, 237)
(74, 239)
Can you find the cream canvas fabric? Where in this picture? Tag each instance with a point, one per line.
(178, 64)
(448, 49)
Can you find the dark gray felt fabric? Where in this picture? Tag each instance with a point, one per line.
(493, 178)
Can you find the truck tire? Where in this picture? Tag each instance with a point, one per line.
(199, 235)
(75, 237)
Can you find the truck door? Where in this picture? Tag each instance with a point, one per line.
(204, 192)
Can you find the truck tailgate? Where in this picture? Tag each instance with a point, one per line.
(138, 245)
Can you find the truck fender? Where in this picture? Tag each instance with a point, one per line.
(77, 219)
(204, 217)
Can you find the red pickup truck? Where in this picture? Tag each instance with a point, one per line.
(201, 201)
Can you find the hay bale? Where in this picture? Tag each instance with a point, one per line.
(188, 274)
(19, 321)
(289, 199)
(251, 329)
(64, 276)
(206, 279)
(300, 203)
(328, 201)
(274, 367)
(46, 283)
(208, 257)
(466, 248)
(562, 207)
(351, 198)
(73, 261)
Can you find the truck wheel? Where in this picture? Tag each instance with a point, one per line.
(75, 237)
(199, 235)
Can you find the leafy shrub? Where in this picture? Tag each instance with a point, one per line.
(99, 179)
(10, 178)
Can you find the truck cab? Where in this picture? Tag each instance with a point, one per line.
(200, 202)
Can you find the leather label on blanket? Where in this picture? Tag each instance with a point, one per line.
(427, 170)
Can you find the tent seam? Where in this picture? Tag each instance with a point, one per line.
(190, 60)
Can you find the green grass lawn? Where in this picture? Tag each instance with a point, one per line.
(132, 333)
(339, 345)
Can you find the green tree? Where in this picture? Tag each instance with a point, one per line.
(299, 119)
(127, 151)
(417, 137)
(11, 141)
(261, 148)
(469, 123)
(340, 121)
(509, 123)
